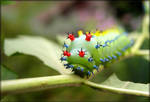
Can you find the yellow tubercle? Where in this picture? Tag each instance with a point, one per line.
(80, 33)
(102, 33)
(98, 33)
(108, 31)
(87, 32)
(92, 33)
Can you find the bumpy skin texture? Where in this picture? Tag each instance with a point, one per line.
(87, 52)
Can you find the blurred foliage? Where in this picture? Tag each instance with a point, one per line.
(25, 69)
(129, 13)
(72, 94)
(146, 6)
(7, 2)
(24, 18)
(7, 74)
(145, 44)
(127, 71)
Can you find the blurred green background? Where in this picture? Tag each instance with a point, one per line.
(54, 18)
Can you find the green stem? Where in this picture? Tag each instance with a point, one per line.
(141, 38)
(41, 83)
(116, 90)
(142, 52)
(138, 44)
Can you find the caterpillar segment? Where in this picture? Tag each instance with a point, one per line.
(85, 53)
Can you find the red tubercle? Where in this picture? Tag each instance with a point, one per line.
(71, 37)
(81, 53)
(66, 53)
(88, 37)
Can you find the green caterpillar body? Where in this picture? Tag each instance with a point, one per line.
(86, 53)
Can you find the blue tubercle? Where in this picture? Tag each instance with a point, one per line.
(97, 46)
(119, 53)
(115, 57)
(111, 41)
(123, 49)
(69, 66)
(96, 67)
(66, 64)
(106, 59)
(78, 68)
(131, 43)
(90, 59)
(89, 73)
(107, 41)
(127, 46)
(65, 45)
(63, 58)
(104, 45)
(92, 73)
(109, 57)
(102, 60)
(82, 69)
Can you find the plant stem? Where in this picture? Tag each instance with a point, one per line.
(142, 52)
(138, 43)
(145, 31)
(116, 90)
(40, 83)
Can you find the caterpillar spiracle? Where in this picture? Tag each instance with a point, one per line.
(85, 53)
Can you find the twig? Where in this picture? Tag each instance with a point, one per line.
(142, 52)
(116, 90)
(138, 44)
(41, 83)
(145, 31)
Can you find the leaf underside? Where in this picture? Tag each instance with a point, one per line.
(47, 51)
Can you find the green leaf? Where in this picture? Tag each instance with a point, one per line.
(47, 51)
(7, 74)
(131, 87)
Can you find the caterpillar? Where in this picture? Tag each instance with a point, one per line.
(85, 53)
